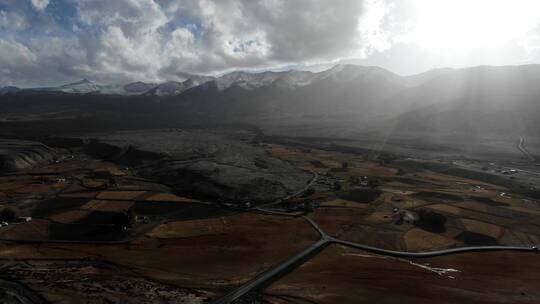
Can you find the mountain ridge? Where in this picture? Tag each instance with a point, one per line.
(496, 99)
(290, 79)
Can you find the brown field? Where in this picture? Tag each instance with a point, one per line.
(119, 195)
(94, 184)
(343, 203)
(336, 220)
(168, 197)
(10, 186)
(484, 228)
(421, 240)
(252, 244)
(79, 195)
(381, 237)
(69, 216)
(177, 245)
(371, 168)
(526, 210)
(187, 229)
(36, 229)
(519, 238)
(112, 206)
(341, 275)
(474, 206)
(446, 209)
(455, 198)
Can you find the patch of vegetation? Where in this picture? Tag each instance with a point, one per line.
(473, 238)
(86, 232)
(8, 214)
(106, 218)
(317, 164)
(57, 205)
(435, 196)
(431, 221)
(362, 196)
(175, 211)
(488, 201)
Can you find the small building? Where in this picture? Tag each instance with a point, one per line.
(23, 219)
(142, 219)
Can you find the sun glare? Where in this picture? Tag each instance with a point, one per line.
(466, 25)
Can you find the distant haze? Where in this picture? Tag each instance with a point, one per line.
(46, 42)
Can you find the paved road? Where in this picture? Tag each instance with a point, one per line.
(521, 147)
(406, 254)
(428, 254)
(274, 273)
(290, 264)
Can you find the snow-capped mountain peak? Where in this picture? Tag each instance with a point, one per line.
(175, 88)
(289, 80)
(82, 86)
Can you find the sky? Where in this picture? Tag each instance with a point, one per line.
(48, 42)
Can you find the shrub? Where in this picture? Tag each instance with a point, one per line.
(8, 214)
(431, 221)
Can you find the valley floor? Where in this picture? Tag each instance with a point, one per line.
(96, 230)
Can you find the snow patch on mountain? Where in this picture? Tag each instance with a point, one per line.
(9, 90)
(294, 79)
(83, 86)
(245, 80)
(288, 80)
(172, 88)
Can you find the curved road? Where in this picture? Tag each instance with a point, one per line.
(265, 278)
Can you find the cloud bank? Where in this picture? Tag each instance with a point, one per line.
(44, 42)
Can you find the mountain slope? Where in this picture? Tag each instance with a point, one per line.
(133, 88)
(171, 88)
(478, 100)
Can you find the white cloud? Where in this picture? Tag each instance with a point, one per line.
(180, 45)
(373, 29)
(15, 60)
(156, 40)
(227, 34)
(132, 16)
(12, 21)
(13, 54)
(40, 5)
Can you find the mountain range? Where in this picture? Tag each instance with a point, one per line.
(345, 98)
(245, 80)
(249, 81)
